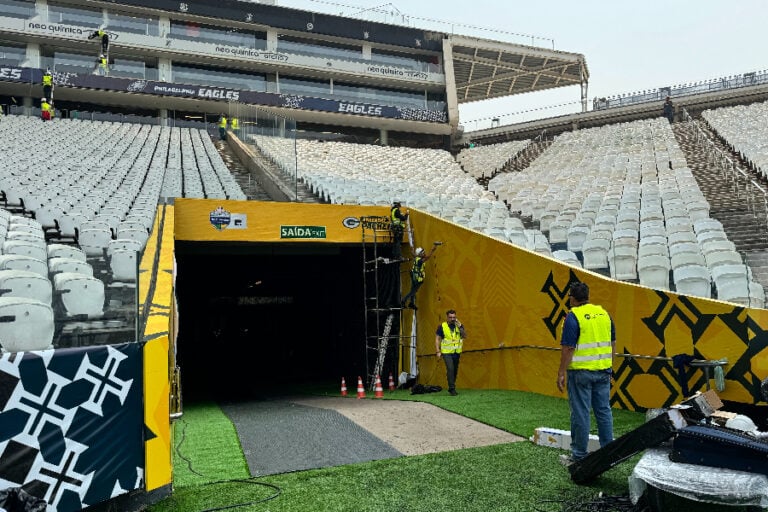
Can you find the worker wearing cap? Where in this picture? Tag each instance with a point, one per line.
(417, 275)
(398, 219)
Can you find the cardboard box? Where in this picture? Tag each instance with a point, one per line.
(556, 438)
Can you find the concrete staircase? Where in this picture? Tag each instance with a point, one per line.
(521, 160)
(242, 175)
(737, 204)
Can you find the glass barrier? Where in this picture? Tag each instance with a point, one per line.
(17, 8)
(73, 16)
(274, 135)
(206, 76)
(133, 24)
(209, 34)
(12, 55)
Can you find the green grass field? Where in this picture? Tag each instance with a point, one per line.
(210, 472)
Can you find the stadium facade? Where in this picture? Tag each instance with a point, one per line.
(187, 60)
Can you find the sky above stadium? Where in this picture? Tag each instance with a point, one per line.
(629, 46)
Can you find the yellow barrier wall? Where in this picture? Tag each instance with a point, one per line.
(513, 303)
(156, 294)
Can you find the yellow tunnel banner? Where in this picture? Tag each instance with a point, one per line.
(255, 221)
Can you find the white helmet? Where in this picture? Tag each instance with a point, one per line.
(419, 251)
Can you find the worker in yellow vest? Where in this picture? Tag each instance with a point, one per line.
(586, 359)
(47, 84)
(449, 342)
(102, 65)
(104, 36)
(418, 273)
(223, 127)
(45, 109)
(234, 124)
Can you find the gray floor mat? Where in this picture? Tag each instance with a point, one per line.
(279, 437)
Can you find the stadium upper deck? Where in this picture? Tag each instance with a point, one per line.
(322, 70)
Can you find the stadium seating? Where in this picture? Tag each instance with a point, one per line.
(58, 218)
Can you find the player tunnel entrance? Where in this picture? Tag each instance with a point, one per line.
(258, 319)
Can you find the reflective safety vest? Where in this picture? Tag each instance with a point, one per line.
(45, 106)
(593, 350)
(235, 123)
(223, 122)
(47, 80)
(452, 342)
(395, 220)
(418, 269)
(103, 62)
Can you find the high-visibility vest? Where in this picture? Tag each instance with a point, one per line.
(418, 269)
(223, 122)
(395, 220)
(452, 342)
(103, 62)
(102, 33)
(45, 106)
(235, 123)
(594, 349)
(47, 80)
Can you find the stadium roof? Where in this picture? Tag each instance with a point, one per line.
(487, 69)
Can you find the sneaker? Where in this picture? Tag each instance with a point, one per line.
(452, 392)
(566, 460)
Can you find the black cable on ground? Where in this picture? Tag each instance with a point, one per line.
(277, 489)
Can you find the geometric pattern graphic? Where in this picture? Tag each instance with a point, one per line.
(71, 423)
(681, 308)
(559, 298)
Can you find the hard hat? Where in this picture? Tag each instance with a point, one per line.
(42, 99)
(419, 251)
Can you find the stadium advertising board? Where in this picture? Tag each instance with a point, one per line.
(90, 81)
(256, 221)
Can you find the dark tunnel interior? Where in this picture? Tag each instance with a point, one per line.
(258, 319)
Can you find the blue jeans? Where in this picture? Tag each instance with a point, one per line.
(589, 390)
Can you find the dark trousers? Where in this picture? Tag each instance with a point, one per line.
(47, 92)
(397, 241)
(415, 285)
(223, 133)
(451, 369)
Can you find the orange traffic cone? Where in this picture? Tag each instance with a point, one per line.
(343, 387)
(360, 388)
(379, 391)
(391, 382)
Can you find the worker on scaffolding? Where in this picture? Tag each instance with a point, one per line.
(397, 218)
(417, 275)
